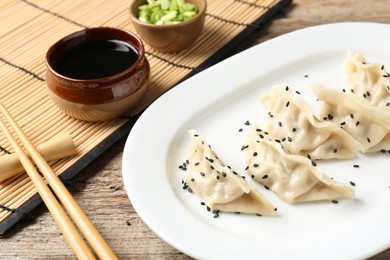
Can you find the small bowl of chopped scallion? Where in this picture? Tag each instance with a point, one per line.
(168, 25)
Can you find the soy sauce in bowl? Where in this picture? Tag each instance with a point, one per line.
(96, 59)
(97, 74)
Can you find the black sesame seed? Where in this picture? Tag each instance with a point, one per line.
(335, 201)
(266, 133)
(237, 212)
(313, 163)
(368, 94)
(330, 117)
(246, 168)
(244, 147)
(352, 183)
(266, 187)
(202, 203)
(196, 135)
(235, 173)
(357, 123)
(283, 139)
(211, 167)
(298, 92)
(247, 122)
(252, 176)
(216, 215)
(192, 179)
(185, 186)
(217, 177)
(294, 129)
(368, 140)
(335, 150)
(240, 130)
(356, 166)
(265, 177)
(277, 140)
(306, 76)
(202, 174)
(342, 123)
(208, 208)
(255, 165)
(364, 95)
(344, 90)
(254, 154)
(261, 136)
(352, 91)
(187, 161)
(223, 174)
(275, 209)
(289, 139)
(189, 190)
(383, 67)
(196, 164)
(383, 151)
(259, 215)
(308, 156)
(287, 88)
(288, 103)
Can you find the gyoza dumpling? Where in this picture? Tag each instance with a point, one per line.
(369, 82)
(291, 122)
(293, 178)
(369, 125)
(218, 185)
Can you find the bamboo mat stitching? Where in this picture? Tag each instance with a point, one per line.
(53, 13)
(22, 69)
(253, 4)
(23, 214)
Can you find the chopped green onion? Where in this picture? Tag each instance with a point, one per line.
(166, 11)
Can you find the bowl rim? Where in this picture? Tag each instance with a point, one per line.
(133, 16)
(82, 33)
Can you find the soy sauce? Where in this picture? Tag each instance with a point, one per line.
(97, 59)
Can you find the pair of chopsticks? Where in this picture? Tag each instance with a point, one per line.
(76, 242)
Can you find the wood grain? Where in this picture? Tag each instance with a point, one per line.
(99, 189)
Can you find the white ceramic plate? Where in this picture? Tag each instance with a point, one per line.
(217, 102)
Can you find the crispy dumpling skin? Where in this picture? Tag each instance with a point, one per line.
(293, 178)
(369, 82)
(291, 122)
(218, 185)
(369, 125)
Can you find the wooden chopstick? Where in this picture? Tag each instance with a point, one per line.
(70, 232)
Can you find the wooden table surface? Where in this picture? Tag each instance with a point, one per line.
(99, 188)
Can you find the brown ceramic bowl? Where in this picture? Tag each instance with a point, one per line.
(170, 37)
(106, 95)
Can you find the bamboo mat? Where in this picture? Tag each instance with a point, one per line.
(27, 30)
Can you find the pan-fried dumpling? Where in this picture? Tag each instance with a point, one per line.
(369, 82)
(218, 185)
(369, 125)
(291, 122)
(293, 178)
